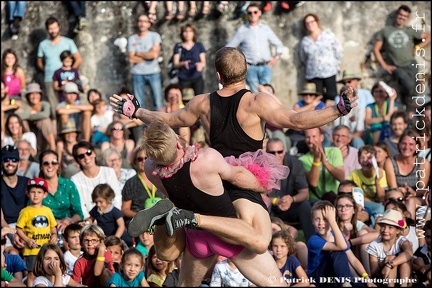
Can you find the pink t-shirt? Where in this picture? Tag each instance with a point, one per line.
(13, 83)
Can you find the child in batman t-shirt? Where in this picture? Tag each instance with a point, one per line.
(36, 224)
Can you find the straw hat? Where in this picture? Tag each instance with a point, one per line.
(69, 127)
(309, 89)
(188, 94)
(394, 218)
(348, 75)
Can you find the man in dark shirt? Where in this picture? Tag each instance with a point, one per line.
(290, 202)
(13, 193)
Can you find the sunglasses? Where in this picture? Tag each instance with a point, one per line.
(88, 153)
(10, 148)
(47, 163)
(344, 193)
(117, 128)
(347, 82)
(276, 152)
(140, 159)
(253, 12)
(7, 159)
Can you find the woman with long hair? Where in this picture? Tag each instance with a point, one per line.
(63, 197)
(117, 135)
(408, 171)
(12, 74)
(378, 114)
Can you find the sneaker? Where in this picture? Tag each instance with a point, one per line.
(285, 6)
(147, 218)
(13, 29)
(82, 23)
(300, 3)
(76, 29)
(179, 218)
(14, 37)
(268, 6)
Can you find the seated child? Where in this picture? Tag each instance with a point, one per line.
(117, 247)
(372, 181)
(94, 268)
(72, 240)
(390, 255)
(131, 272)
(329, 254)
(101, 118)
(107, 216)
(283, 248)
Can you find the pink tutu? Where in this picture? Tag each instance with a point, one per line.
(263, 165)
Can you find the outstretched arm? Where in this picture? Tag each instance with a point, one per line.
(184, 117)
(284, 117)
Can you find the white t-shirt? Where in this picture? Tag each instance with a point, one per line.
(86, 185)
(225, 276)
(103, 121)
(29, 136)
(44, 281)
(70, 261)
(376, 248)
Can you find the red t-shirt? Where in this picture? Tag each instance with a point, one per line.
(83, 271)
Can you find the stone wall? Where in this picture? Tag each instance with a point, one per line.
(106, 66)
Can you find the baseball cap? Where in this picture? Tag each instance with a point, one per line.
(37, 182)
(9, 152)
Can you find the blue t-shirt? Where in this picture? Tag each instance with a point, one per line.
(288, 270)
(193, 55)
(118, 280)
(51, 55)
(14, 263)
(315, 254)
(107, 221)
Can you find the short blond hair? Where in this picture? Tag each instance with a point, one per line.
(159, 141)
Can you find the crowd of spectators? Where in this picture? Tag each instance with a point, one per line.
(366, 176)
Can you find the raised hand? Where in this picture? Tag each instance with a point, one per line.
(125, 106)
(347, 97)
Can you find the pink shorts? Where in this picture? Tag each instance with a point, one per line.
(203, 244)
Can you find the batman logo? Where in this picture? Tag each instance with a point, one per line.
(40, 221)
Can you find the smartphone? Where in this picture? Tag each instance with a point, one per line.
(358, 195)
(387, 88)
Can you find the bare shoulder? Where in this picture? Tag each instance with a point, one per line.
(209, 154)
(199, 104)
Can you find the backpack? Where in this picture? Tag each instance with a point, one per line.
(171, 70)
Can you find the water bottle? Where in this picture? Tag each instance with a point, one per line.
(59, 239)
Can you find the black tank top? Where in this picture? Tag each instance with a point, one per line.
(227, 137)
(185, 195)
(226, 134)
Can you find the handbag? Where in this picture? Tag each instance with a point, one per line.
(149, 202)
(171, 70)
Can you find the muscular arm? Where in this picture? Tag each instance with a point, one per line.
(284, 117)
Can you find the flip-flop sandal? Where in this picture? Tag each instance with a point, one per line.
(192, 12)
(206, 9)
(152, 17)
(169, 15)
(180, 15)
(222, 7)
